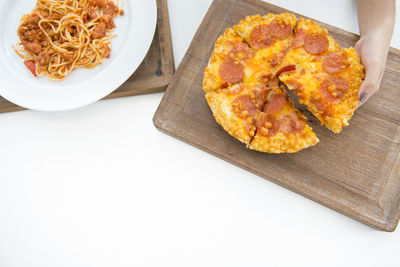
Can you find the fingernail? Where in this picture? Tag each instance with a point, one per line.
(363, 97)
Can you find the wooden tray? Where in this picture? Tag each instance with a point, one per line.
(155, 72)
(355, 172)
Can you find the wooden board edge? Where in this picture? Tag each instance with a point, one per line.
(396, 209)
(13, 108)
(165, 38)
(156, 85)
(137, 92)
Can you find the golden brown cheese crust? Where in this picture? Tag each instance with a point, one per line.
(281, 143)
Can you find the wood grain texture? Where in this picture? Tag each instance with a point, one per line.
(155, 72)
(355, 172)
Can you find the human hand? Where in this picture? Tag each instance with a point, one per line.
(373, 54)
(376, 21)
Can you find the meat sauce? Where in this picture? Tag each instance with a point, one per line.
(34, 40)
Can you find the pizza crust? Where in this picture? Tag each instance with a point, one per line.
(281, 143)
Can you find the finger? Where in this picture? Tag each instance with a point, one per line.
(373, 78)
(371, 83)
(363, 98)
(368, 90)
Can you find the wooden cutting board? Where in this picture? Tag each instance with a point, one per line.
(155, 72)
(355, 172)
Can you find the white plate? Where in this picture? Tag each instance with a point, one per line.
(135, 31)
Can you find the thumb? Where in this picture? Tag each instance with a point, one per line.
(373, 78)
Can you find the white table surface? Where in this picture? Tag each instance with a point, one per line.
(100, 186)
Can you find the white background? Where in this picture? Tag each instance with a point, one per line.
(100, 186)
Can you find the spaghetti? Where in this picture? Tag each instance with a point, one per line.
(59, 36)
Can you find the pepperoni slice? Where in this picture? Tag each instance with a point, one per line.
(291, 123)
(267, 125)
(286, 68)
(275, 104)
(245, 106)
(280, 29)
(231, 71)
(335, 63)
(298, 40)
(316, 43)
(333, 88)
(260, 37)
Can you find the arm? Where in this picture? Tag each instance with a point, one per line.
(376, 19)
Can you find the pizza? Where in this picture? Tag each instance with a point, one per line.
(237, 108)
(271, 37)
(228, 62)
(281, 128)
(262, 116)
(244, 79)
(326, 77)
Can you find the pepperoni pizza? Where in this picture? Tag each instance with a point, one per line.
(227, 63)
(281, 128)
(238, 107)
(250, 59)
(326, 78)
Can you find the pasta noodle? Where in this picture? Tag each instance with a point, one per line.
(59, 36)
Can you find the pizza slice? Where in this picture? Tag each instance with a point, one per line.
(281, 128)
(237, 108)
(325, 77)
(310, 41)
(228, 64)
(263, 32)
(271, 36)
